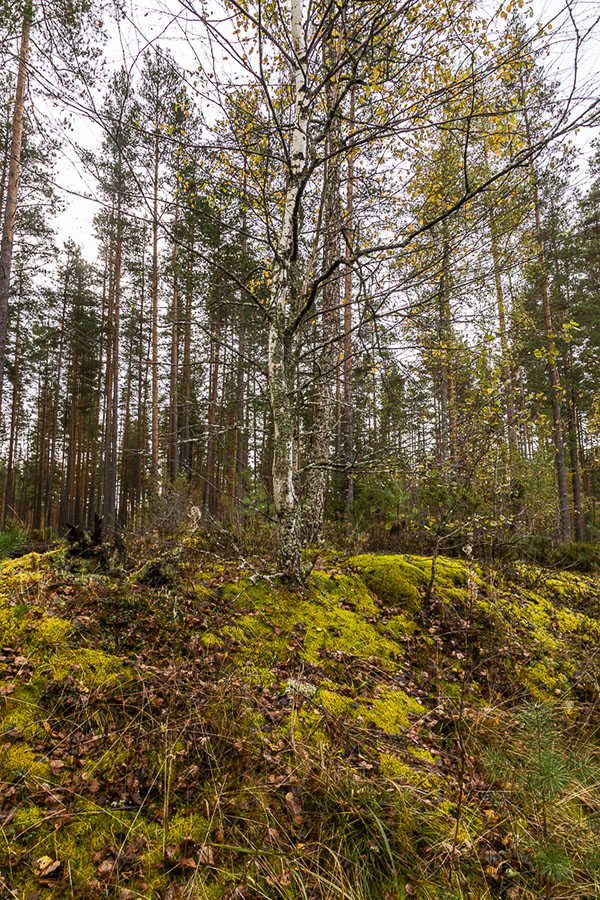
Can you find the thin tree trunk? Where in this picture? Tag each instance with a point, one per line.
(240, 446)
(579, 519)
(186, 450)
(66, 505)
(348, 409)
(4, 168)
(12, 188)
(564, 506)
(93, 505)
(140, 440)
(12, 440)
(41, 455)
(154, 443)
(327, 363)
(446, 338)
(174, 386)
(55, 406)
(209, 493)
(109, 527)
(124, 487)
(504, 347)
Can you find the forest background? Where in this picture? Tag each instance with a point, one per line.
(346, 281)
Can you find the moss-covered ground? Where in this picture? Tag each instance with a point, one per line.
(192, 729)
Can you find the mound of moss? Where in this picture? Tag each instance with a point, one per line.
(394, 579)
(237, 738)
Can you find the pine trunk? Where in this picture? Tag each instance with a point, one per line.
(507, 379)
(155, 435)
(564, 506)
(174, 386)
(12, 187)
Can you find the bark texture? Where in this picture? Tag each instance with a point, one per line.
(12, 187)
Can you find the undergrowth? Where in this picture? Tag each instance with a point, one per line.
(192, 728)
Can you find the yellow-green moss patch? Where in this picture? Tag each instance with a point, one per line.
(395, 581)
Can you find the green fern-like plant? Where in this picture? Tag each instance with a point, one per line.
(552, 772)
(11, 540)
(554, 864)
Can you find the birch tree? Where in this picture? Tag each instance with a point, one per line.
(404, 63)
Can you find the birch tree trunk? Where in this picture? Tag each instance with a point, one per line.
(14, 416)
(327, 367)
(348, 410)
(281, 362)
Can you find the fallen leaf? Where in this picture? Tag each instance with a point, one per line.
(205, 856)
(94, 786)
(294, 808)
(107, 867)
(186, 846)
(46, 866)
(171, 853)
(174, 892)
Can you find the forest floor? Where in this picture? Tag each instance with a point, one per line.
(189, 728)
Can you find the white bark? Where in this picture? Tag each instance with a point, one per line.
(281, 359)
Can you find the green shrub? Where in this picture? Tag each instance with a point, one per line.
(11, 541)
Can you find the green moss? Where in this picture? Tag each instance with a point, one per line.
(93, 668)
(112, 761)
(333, 616)
(18, 574)
(456, 595)
(397, 770)
(395, 581)
(21, 710)
(9, 625)
(438, 823)
(343, 589)
(448, 572)
(331, 629)
(89, 834)
(399, 627)
(49, 632)
(542, 679)
(19, 761)
(391, 710)
(311, 722)
(181, 825)
(334, 704)
(209, 640)
(27, 819)
(327, 655)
